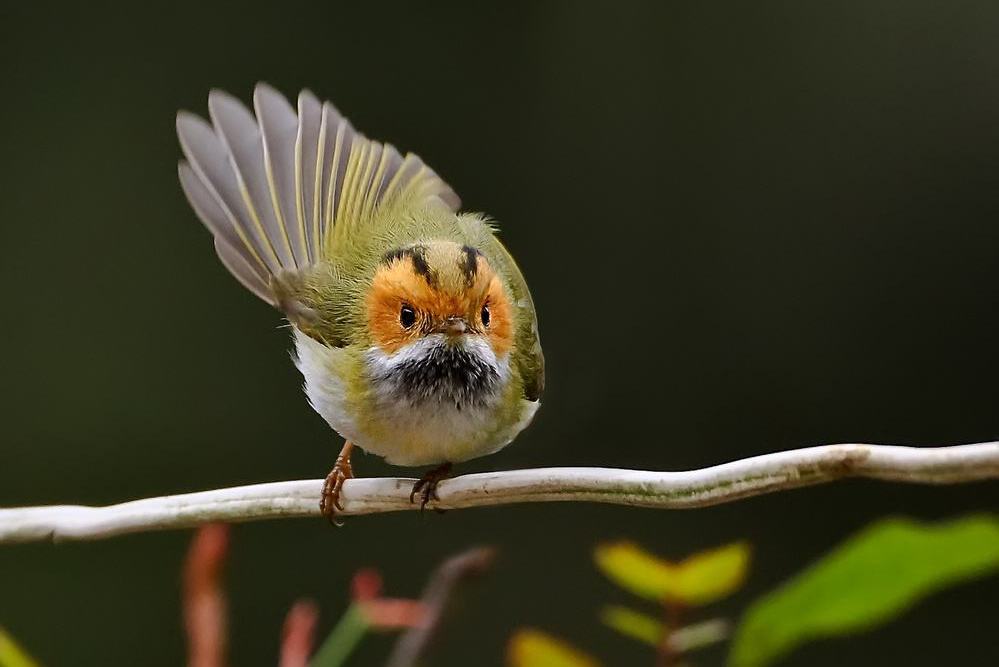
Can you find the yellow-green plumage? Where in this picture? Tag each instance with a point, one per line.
(307, 214)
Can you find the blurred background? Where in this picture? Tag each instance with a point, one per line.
(746, 228)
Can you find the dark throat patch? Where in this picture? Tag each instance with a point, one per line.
(446, 374)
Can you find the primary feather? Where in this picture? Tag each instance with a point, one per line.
(280, 190)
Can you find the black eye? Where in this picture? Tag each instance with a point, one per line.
(485, 315)
(407, 316)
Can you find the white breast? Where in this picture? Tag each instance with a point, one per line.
(372, 417)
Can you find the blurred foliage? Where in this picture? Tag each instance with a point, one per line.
(343, 639)
(206, 613)
(869, 580)
(696, 581)
(677, 588)
(532, 648)
(369, 611)
(699, 635)
(12, 655)
(634, 624)
(872, 578)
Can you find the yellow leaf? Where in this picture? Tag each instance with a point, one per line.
(633, 568)
(712, 575)
(12, 655)
(634, 624)
(533, 648)
(698, 580)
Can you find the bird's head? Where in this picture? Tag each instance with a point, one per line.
(441, 325)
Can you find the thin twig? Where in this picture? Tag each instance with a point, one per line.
(413, 645)
(205, 614)
(299, 634)
(668, 490)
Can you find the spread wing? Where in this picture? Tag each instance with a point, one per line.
(272, 187)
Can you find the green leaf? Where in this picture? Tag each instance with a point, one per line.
(12, 655)
(533, 648)
(634, 624)
(870, 579)
(698, 580)
(342, 640)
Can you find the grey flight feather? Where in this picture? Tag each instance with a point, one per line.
(208, 160)
(271, 187)
(307, 183)
(239, 131)
(279, 132)
(243, 271)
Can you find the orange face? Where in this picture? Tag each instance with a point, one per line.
(438, 288)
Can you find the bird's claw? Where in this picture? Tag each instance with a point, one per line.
(330, 503)
(426, 486)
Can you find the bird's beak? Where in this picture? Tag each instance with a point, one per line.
(454, 326)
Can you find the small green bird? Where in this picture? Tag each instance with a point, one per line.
(413, 327)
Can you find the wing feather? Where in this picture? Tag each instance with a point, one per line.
(207, 159)
(279, 133)
(410, 165)
(364, 185)
(339, 140)
(308, 169)
(244, 272)
(240, 133)
(279, 190)
(210, 209)
(388, 164)
(392, 163)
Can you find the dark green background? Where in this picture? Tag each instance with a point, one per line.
(747, 228)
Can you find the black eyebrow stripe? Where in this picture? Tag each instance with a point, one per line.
(470, 264)
(393, 255)
(417, 254)
(419, 258)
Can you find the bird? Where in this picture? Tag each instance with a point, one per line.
(412, 325)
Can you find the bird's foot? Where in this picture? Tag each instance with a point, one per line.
(426, 487)
(342, 470)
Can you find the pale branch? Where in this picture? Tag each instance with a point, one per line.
(667, 490)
